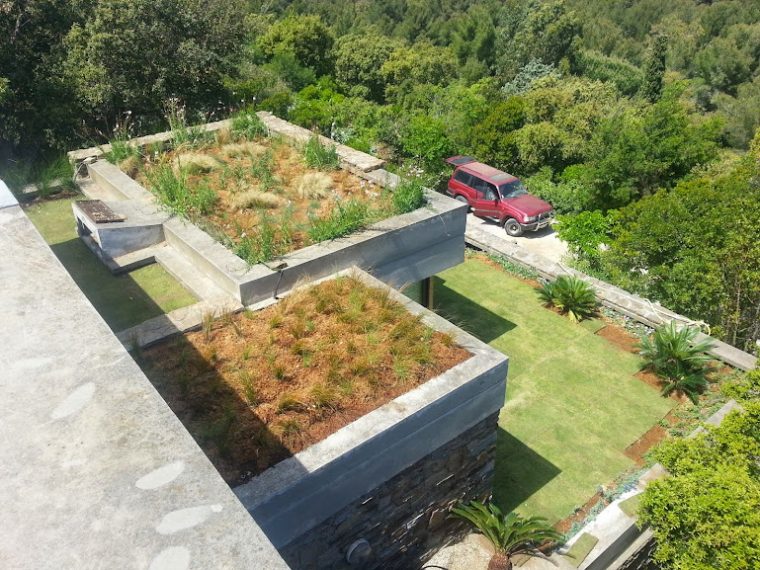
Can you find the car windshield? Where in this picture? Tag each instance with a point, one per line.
(512, 189)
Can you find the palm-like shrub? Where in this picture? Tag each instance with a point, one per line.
(571, 295)
(509, 534)
(676, 356)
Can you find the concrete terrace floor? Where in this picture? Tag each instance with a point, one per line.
(573, 404)
(122, 301)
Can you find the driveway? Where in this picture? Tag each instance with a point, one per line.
(543, 242)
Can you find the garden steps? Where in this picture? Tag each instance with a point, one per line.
(197, 282)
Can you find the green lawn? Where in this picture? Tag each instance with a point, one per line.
(573, 404)
(122, 301)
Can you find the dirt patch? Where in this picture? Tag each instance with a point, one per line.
(580, 515)
(620, 337)
(257, 387)
(649, 440)
(651, 379)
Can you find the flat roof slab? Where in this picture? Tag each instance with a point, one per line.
(95, 469)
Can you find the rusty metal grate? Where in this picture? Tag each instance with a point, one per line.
(99, 212)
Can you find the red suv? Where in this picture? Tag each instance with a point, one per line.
(497, 195)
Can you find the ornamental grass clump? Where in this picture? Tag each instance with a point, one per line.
(571, 296)
(408, 196)
(509, 534)
(322, 157)
(678, 358)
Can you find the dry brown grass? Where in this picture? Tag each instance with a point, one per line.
(195, 163)
(296, 372)
(313, 185)
(254, 198)
(236, 150)
(131, 165)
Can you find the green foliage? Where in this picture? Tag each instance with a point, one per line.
(136, 55)
(584, 234)
(358, 61)
(530, 72)
(744, 388)
(706, 514)
(522, 271)
(419, 64)
(509, 534)
(493, 139)
(425, 139)
(304, 37)
(247, 125)
(321, 156)
(408, 196)
(345, 218)
(265, 244)
(624, 75)
(696, 249)
(654, 70)
(571, 295)
(675, 355)
(177, 195)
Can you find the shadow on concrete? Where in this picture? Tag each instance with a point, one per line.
(480, 322)
(520, 471)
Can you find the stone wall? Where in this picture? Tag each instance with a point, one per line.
(405, 520)
(639, 557)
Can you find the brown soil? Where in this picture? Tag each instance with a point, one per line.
(650, 378)
(650, 439)
(235, 176)
(255, 388)
(566, 524)
(620, 337)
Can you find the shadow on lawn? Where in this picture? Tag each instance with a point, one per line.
(120, 300)
(520, 471)
(480, 322)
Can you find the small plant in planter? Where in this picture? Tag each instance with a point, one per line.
(676, 357)
(571, 296)
(509, 534)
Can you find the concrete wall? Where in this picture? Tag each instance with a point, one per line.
(295, 499)
(406, 519)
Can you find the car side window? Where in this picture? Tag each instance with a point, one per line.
(485, 190)
(463, 177)
(490, 192)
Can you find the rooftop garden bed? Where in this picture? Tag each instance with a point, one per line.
(260, 195)
(257, 387)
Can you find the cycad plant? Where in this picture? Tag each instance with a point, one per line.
(571, 295)
(678, 358)
(509, 534)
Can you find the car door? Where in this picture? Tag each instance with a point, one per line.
(486, 201)
(460, 185)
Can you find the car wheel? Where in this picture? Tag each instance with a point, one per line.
(462, 199)
(513, 227)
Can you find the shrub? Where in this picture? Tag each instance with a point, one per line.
(263, 245)
(253, 198)
(345, 218)
(323, 157)
(571, 295)
(408, 196)
(247, 125)
(176, 194)
(509, 534)
(676, 356)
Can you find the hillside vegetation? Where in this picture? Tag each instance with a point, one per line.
(635, 119)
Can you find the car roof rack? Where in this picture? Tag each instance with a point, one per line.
(459, 160)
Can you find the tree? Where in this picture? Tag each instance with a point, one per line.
(358, 60)
(706, 514)
(418, 64)
(509, 534)
(493, 139)
(133, 56)
(304, 37)
(654, 69)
